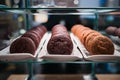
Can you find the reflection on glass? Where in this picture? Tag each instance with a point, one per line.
(15, 5)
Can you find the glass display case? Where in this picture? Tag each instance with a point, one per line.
(19, 16)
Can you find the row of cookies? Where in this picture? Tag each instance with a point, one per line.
(28, 42)
(94, 42)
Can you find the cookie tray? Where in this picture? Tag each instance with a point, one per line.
(75, 55)
(100, 58)
(41, 53)
(5, 54)
(79, 53)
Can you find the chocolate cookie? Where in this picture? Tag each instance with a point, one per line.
(23, 45)
(60, 41)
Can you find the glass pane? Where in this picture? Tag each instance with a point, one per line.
(11, 25)
(108, 24)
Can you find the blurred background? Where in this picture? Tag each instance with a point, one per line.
(14, 23)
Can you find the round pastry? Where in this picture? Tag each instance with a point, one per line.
(89, 38)
(59, 45)
(60, 41)
(80, 29)
(23, 45)
(43, 28)
(75, 27)
(39, 29)
(117, 32)
(82, 33)
(37, 33)
(85, 35)
(101, 45)
(33, 36)
(60, 30)
(111, 30)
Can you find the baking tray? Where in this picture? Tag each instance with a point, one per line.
(101, 58)
(79, 53)
(41, 53)
(5, 54)
(75, 55)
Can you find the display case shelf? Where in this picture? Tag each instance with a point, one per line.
(29, 10)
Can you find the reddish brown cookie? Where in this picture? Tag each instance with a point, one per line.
(60, 41)
(86, 34)
(39, 29)
(60, 30)
(43, 28)
(111, 30)
(37, 33)
(33, 36)
(117, 32)
(75, 27)
(90, 37)
(101, 45)
(23, 45)
(82, 33)
(80, 29)
(60, 45)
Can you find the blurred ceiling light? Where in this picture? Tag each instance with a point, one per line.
(22, 31)
(41, 17)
